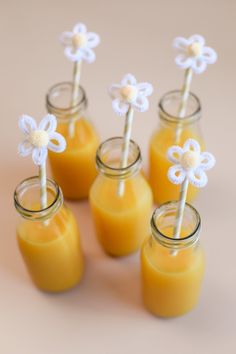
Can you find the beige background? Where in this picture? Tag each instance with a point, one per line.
(105, 315)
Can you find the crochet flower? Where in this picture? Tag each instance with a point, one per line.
(79, 42)
(130, 94)
(193, 53)
(38, 139)
(190, 163)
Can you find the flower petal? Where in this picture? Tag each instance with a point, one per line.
(191, 145)
(197, 178)
(39, 155)
(66, 38)
(145, 89)
(183, 61)
(181, 43)
(128, 79)
(199, 65)
(25, 148)
(120, 107)
(72, 54)
(27, 124)
(207, 161)
(79, 28)
(176, 174)
(61, 142)
(174, 154)
(48, 123)
(209, 55)
(114, 91)
(141, 104)
(197, 38)
(87, 54)
(93, 39)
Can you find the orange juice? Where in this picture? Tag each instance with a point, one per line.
(74, 169)
(165, 137)
(121, 222)
(171, 282)
(48, 239)
(52, 253)
(163, 189)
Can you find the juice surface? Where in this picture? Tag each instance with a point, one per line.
(74, 169)
(163, 189)
(171, 283)
(52, 251)
(121, 223)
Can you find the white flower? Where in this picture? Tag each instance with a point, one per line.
(38, 139)
(79, 42)
(190, 163)
(193, 53)
(130, 93)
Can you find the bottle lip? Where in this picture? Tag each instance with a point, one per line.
(194, 116)
(171, 242)
(118, 172)
(42, 213)
(63, 112)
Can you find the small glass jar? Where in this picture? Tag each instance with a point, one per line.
(165, 136)
(121, 222)
(48, 239)
(172, 269)
(74, 169)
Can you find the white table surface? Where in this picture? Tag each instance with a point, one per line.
(104, 315)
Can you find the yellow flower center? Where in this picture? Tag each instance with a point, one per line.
(195, 49)
(79, 40)
(129, 93)
(39, 138)
(190, 159)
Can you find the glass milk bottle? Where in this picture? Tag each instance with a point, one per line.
(74, 169)
(172, 269)
(165, 136)
(121, 222)
(49, 238)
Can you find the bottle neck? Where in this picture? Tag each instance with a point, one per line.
(109, 157)
(163, 221)
(169, 109)
(59, 102)
(27, 199)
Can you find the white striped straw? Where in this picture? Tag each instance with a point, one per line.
(43, 185)
(184, 99)
(125, 148)
(180, 212)
(75, 93)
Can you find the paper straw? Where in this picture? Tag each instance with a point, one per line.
(128, 96)
(184, 99)
(37, 142)
(189, 166)
(125, 148)
(75, 93)
(43, 185)
(180, 212)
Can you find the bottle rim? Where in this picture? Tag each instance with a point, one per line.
(118, 172)
(194, 116)
(41, 213)
(63, 112)
(171, 242)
